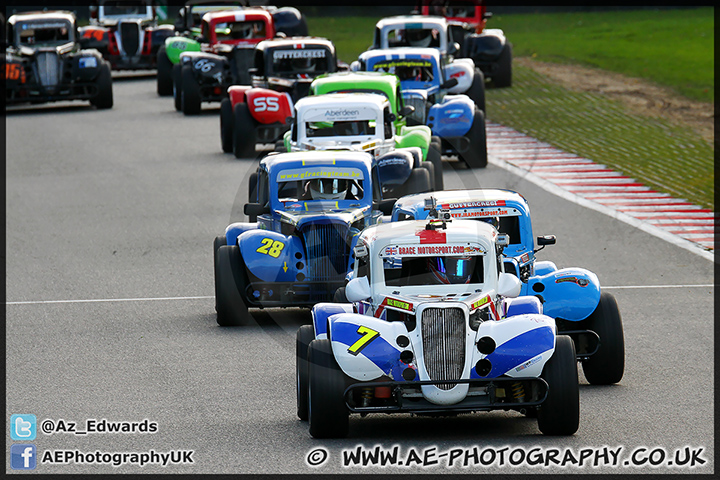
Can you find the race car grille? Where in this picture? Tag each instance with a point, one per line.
(327, 251)
(48, 65)
(130, 35)
(443, 336)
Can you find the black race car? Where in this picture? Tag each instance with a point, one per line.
(44, 62)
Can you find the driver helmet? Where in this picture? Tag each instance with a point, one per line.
(328, 188)
(303, 65)
(451, 270)
(242, 30)
(419, 37)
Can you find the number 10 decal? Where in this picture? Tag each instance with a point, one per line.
(367, 336)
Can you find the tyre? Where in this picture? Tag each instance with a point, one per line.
(417, 182)
(327, 413)
(305, 335)
(231, 309)
(435, 140)
(476, 155)
(104, 97)
(252, 188)
(244, 136)
(435, 158)
(280, 146)
(164, 73)
(607, 365)
(219, 241)
(190, 95)
(226, 125)
(503, 76)
(339, 296)
(427, 165)
(559, 414)
(477, 90)
(177, 86)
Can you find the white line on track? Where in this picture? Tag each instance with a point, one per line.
(150, 299)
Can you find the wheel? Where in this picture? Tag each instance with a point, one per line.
(339, 296)
(417, 182)
(305, 335)
(226, 125)
(607, 365)
(435, 158)
(435, 141)
(476, 155)
(559, 414)
(104, 98)
(327, 413)
(503, 76)
(280, 146)
(244, 132)
(177, 86)
(231, 309)
(164, 73)
(190, 95)
(219, 241)
(252, 188)
(477, 90)
(427, 165)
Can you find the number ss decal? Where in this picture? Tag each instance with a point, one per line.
(271, 247)
(266, 103)
(367, 336)
(204, 65)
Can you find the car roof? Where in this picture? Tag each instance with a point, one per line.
(346, 99)
(48, 15)
(402, 52)
(480, 197)
(422, 21)
(411, 232)
(311, 158)
(303, 42)
(251, 13)
(361, 79)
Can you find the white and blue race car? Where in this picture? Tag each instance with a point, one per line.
(431, 326)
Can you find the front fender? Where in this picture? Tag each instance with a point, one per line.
(394, 168)
(366, 347)
(174, 46)
(270, 256)
(234, 230)
(268, 106)
(568, 293)
(94, 37)
(205, 65)
(453, 117)
(236, 93)
(523, 344)
(322, 311)
(464, 73)
(414, 136)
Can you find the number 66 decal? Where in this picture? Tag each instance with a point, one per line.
(269, 104)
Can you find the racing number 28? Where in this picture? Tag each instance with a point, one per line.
(271, 247)
(367, 336)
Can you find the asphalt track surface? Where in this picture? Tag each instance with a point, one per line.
(110, 221)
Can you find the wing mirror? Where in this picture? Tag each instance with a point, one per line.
(449, 83)
(357, 289)
(509, 285)
(545, 240)
(453, 48)
(407, 110)
(256, 209)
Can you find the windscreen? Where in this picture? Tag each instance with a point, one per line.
(320, 183)
(433, 270)
(346, 128)
(414, 36)
(289, 62)
(44, 34)
(240, 30)
(418, 70)
(124, 8)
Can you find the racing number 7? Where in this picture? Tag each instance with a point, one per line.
(367, 336)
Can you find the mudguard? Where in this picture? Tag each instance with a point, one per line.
(366, 348)
(394, 168)
(174, 46)
(544, 267)
(523, 305)
(159, 35)
(94, 37)
(464, 73)
(233, 230)
(453, 117)
(568, 293)
(414, 136)
(290, 21)
(236, 93)
(485, 46)
(268, 106)
(205, 65)
(322, 311)
(523, 344)
(270, 256)
(14, 72)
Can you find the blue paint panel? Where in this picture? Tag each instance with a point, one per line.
(518, 350)
(452, 118)
(522, 305)
(569, 293)
(379, 351)
(264, 266)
